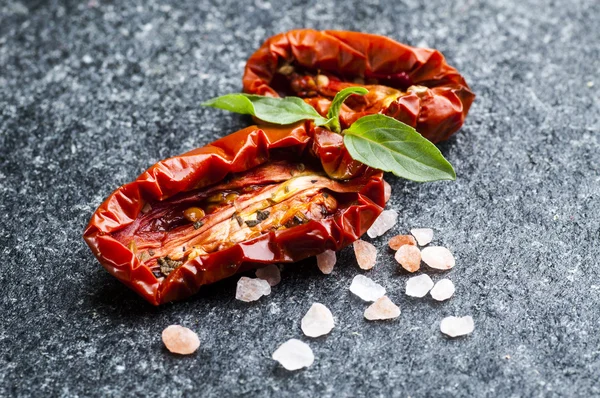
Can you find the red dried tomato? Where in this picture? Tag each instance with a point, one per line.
(413, 85)
(255, 197)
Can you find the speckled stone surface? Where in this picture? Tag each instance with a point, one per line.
(92, 93)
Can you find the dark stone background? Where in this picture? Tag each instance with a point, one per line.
(93, 93)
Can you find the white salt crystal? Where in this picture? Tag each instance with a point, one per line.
(270, 273)
(443, 290)
(438, 257)
(180, 340)
(457, 326)
(418, 286)
(249, 289)
(383, 308)
(366, 289)
(387, 191)
(326, 261)
(317, 321)
(294, 354)
(366, 254)
(386, 220)
(409, 257)
(423, 235)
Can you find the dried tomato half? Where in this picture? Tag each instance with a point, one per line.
(255, 197)
(413, 85)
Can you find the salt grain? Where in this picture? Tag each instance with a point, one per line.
(249, 289)
(424, 235)
(409, 257)
(381, 309)
(366, 254)
(386, 220)
(326, 261)
(457, 326)
(318, 321)
(443, 290)
(270, 273)
(387, 191)
(418, 286)
(400, 240)
(366, 289)
(180, 340)
(438, 257)
(294, 354)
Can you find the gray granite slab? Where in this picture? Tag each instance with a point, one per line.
(92, 93)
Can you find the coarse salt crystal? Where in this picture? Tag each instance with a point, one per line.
(438, 257)
(398, 241)
(270, 273)
(443, 290)
(251, 289)
(366, 254)
(382, 308)
(409, 257)
(180, 340)
(418, 286)
(457, 326)
(386, 220)
(294, 354)
(387, 191)
(326, 261)
(317, 321)
(366, 288)
(423, 235)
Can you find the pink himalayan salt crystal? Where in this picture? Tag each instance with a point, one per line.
(270, 273)
(386, 220)
(381, 309)
(443, 290)
(438, 257)
(366, 254)
(180, 340)
(400, 240)
(326, 261)
(423, 235)
(457, 326)
(387, 191)
(418, 286)
(294, 354)
(318, 321)
(409, 257)
(249, 289)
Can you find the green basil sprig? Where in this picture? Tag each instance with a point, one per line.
(334, 109)
(377, 140)
(286, 110)
(386, 144)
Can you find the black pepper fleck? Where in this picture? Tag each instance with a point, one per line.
(252, 223)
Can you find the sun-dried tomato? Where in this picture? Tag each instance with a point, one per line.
(255, 197)
(413, 85)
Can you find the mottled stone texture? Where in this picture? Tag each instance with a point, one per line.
(92, 93)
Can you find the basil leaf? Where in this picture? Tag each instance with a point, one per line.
(333, 116)
(389, 145)
(286, 110)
